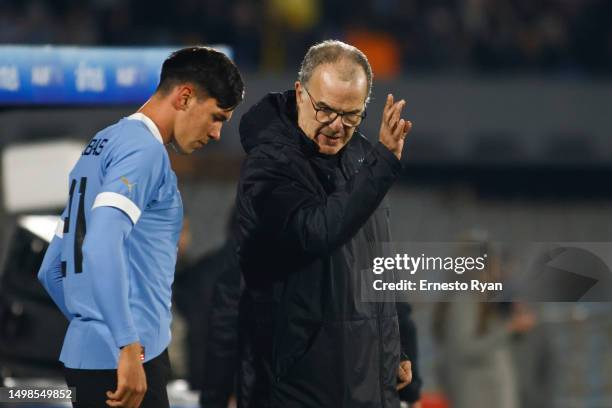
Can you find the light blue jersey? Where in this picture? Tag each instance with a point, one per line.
(126, 167)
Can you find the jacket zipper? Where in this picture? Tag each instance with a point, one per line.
(378, 307)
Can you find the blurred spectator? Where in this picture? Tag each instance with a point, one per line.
(475, 339)
(477, 367)
(551, 36)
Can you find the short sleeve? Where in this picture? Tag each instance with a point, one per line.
(131, 179)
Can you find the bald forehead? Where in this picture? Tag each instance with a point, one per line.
(342, 74)
(343, 70)
(342, 87)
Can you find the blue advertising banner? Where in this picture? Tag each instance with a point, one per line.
(62, 75)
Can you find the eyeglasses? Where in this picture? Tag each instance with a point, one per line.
(328, 115)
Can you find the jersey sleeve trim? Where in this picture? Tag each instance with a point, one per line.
(110, 199)
(59, 230)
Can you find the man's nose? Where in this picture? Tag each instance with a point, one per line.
(215, 133)
(336, 124)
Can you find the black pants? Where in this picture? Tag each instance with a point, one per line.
(91, 385)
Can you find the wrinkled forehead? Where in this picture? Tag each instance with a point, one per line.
(341, 86)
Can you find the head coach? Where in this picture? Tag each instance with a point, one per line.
(309, 207)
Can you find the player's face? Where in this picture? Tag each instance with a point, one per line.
(330, 91)
(200, 122)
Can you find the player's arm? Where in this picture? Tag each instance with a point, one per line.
(132, 176)
(104, 259)
(50, 272)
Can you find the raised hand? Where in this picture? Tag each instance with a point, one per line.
(394, 128)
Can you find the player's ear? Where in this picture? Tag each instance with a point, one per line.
(182, 95)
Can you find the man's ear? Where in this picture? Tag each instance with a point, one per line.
(298, 92)
(182, 95)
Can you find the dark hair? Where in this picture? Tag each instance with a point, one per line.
(209, 70)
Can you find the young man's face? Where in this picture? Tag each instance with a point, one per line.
(330, 89)
(198, 123)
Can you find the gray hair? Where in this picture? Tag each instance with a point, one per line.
(332, 51)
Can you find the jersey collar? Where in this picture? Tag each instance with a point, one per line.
(149, 124)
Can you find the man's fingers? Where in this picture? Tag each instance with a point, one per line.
(392, 113)
(403, 128)
(387, 111)
(398, 131)
(400, 386)
(118, 394)
(404, 372)
(124, 397)
(407, 127)
(120, 402)
(406, 365)
(397, 112)
(389, 101)
(404, 375)
(401, 374)
(114, 403)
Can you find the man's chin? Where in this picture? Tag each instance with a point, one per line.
(329, 148)
(180, 149)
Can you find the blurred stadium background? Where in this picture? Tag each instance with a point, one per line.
(511, 102)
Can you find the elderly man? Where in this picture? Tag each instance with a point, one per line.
(309, 212)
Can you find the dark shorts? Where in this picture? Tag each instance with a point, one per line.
(91, 385)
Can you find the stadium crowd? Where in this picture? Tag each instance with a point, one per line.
(560, 37)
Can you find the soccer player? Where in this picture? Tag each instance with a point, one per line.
(110, 266)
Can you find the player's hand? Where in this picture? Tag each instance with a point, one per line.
(404, 374)
(393, 128)
(416, 404)
(131, 379)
